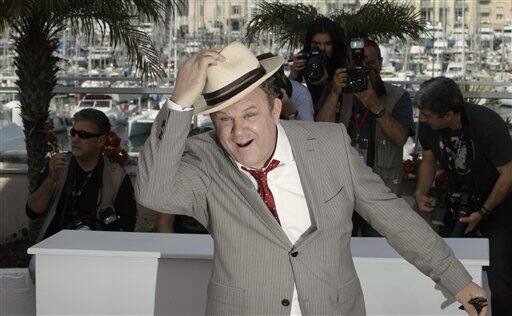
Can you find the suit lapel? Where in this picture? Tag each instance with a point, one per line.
(249, 192)
(305, 152)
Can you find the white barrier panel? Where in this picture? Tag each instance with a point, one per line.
(90, 272)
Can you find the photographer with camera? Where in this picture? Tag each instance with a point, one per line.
(83, 190)
(295, 97)
(473, 145)
(378, 116)
(323, 52)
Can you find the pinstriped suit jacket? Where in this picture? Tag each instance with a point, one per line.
(253, 266)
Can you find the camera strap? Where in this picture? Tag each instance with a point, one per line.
(76, 190)
(359, 121)
(456, 151)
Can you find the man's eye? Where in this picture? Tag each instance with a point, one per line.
(225, 119)
(249, 115)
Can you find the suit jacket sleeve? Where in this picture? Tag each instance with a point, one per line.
(170, 176)
(403, 228)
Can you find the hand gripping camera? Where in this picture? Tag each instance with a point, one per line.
(315, 65)
(462, 202)
(357, 72)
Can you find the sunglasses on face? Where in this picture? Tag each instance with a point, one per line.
(82, 134)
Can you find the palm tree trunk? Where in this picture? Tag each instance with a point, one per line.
(36, 66)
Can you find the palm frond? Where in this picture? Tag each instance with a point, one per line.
(119, 20)
(115, 18)
(382, 20)
(378, 19)
(10, 10)
(288, 22)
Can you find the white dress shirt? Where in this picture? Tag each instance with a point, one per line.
(284, 183)
(286, 187)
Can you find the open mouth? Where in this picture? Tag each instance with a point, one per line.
(243, 145)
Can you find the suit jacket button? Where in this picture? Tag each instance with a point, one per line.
(294, 254)
(285, 302)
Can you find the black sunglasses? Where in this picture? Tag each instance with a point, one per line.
(82, 134)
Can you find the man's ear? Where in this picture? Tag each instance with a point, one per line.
(276, 109)
(102, 140)
(449, 115)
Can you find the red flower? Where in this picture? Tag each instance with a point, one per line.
(113, 150)
(408, 167)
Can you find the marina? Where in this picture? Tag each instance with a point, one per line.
(469, 41)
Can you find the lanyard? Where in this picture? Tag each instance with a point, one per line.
(359, 123)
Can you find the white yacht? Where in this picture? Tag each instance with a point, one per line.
(454, 70)
(434, 69)
(507, 34)
(140, 124)
(105, 104)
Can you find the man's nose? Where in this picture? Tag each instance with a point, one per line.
(238, 126)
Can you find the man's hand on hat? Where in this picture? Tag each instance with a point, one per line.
(191, 77)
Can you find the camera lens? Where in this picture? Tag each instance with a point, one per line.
(315, 66)
(357, 80)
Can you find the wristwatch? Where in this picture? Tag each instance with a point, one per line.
(381, 112)
(484, 213)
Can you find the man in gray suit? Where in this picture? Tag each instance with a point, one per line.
(276, 196)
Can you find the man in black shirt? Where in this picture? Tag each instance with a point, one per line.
(84, 190)
(473, 145)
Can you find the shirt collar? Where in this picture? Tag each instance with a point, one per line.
(283, 151)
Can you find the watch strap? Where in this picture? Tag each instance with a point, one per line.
(381, 112)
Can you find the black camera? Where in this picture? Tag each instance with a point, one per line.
(81, 224)
(357, 72)
(462, 202)
(315, 65)
(108, 219)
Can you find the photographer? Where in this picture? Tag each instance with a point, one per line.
(323, 52)
(296, 99)
(378, 116)
(83, 190)
(473, 145)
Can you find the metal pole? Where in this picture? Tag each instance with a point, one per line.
(464, 39)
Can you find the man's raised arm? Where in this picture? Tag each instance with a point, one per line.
(164, 176)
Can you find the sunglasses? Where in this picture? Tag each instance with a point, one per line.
(82, 134)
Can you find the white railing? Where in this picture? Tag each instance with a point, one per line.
(163, 90)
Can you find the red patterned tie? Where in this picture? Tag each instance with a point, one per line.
(263, 189)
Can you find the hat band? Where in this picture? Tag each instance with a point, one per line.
(234, 87)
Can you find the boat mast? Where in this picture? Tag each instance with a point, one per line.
(464, 39)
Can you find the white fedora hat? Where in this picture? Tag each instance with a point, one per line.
(229, 81)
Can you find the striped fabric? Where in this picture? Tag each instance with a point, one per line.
(254, 269)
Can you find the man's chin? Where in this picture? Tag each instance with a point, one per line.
(249, 163)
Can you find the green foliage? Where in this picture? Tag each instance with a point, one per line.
(382, 20)
(378, 19)
(288, 22)
(36, 28)
(119, 17)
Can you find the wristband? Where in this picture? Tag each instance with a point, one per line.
(484, 213)
(381, 112)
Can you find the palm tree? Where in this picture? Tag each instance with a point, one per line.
(36, 26)
(377, 19)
